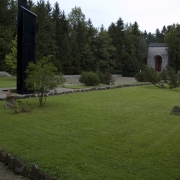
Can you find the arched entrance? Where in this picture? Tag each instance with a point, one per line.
(158, 63)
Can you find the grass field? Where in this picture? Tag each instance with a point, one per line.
(7, 81)
(125, 134)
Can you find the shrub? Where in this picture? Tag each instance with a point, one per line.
(89, 79)
(106, 78)
(140, 77)
(130, 67)
(169, 76)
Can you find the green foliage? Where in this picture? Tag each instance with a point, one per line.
(22, 107)
(89, 79)
(105, 78)
(140, 77)
(130, 67)
(167, 76)
(170, 77)
(11, 58)
(42, 77)
(150, 75)
(105, 52)
(45, 38)
(172, 38)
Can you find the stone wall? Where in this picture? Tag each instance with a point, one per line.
(154, 51)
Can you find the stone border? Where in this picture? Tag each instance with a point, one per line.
(18, 167)
(80, 90)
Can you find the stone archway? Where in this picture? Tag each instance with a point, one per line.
(158, 63)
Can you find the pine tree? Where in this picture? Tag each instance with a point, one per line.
(117, 33)
(172, 38)
(78, 37)
(105, 52)
(45, 38)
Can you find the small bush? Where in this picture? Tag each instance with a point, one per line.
(21, 107)
(89, 79)
(140, 77)
(106, 78)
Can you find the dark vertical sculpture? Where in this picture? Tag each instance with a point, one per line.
(25, 43)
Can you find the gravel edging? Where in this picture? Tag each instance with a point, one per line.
(51, 93)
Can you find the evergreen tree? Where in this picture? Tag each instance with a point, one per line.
(117, 33)
(8, 11)
(172, 38)
(78, 37)
(45, 38)
(139, 43)
(159, 36)
(105, 52)
(63, 50)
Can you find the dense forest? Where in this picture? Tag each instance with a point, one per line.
(75, 45)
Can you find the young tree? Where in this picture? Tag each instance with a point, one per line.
(42, 77)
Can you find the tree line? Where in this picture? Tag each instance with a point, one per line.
(75, 45)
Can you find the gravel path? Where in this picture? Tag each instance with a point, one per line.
(6, 174)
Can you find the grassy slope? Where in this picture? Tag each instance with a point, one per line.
(122, 134)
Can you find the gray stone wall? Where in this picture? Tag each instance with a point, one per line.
(154, 51)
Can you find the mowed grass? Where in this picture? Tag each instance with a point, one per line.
(7, 81)
(125, 134)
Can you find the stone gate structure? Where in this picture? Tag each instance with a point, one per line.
(157, 56)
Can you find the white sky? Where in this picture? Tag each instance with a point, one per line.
(149, 14)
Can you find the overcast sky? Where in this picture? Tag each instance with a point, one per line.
(149, 14)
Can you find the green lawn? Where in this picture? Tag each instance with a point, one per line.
(120, 134)
(7, 82)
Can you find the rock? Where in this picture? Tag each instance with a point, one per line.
(25, 172)
(11, 162)
(18, 166)
(175, 110)
(35, 172)
(10, 100)
(2, 155)
(8, 158)
(44, 176)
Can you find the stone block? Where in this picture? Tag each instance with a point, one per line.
(35, 172)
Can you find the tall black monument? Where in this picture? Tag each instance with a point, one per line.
(27, 27)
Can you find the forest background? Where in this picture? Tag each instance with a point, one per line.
(75, 45)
